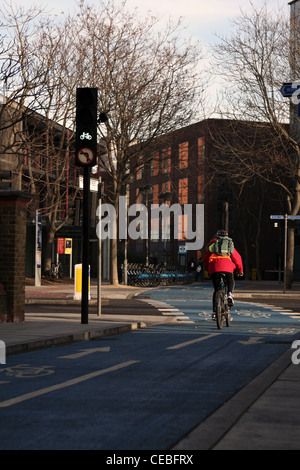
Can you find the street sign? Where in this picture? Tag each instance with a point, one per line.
(60, 246)
(287, 89)
(282, 217)
(85, 156)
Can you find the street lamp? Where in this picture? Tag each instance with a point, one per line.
(146, 191)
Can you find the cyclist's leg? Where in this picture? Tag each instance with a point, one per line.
(230, 286)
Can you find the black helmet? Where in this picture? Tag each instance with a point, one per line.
(222, 233)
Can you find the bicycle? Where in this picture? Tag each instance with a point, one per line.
(221, 306)
(56, 271)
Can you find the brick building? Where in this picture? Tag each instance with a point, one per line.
(177, 169)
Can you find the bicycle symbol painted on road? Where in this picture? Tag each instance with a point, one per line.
(242, 313)
(274, 331)
(253, 314)
(27, 371)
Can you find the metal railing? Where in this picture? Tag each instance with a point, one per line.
(157, 275)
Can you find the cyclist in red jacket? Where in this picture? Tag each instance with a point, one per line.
(227, 264)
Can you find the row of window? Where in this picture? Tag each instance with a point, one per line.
(164, 165)
(181, 192)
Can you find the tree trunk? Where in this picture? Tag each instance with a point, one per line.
(48, 250)
(114, 278)
(290, 258)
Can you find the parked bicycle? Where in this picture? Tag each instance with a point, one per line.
(155, 275)
(221, 306)
(56, 271)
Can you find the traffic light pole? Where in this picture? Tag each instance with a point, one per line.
(86, 156)
(85, 248)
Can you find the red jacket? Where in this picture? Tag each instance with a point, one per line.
(216, 263)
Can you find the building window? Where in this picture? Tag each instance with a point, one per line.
(155, 194)
(183, 191)
(166, 188)
(154, 165)
(183, 155)
(166, 160)
(200, 189)
(201, 150)
(140, 168)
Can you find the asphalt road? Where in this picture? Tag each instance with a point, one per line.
(143, 390)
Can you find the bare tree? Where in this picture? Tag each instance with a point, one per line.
(19, 77)
(147, 79)
(39, 108)
(148, 82)
(253, 62)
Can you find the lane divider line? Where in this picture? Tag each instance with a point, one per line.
(193, 341)
(68, 383)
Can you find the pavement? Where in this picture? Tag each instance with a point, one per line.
(264, 415)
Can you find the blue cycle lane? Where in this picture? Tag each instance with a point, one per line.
(145, 389)
(192, 305)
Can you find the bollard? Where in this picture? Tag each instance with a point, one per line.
(78, 282)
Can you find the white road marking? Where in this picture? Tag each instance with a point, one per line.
(251, 340)
(68, 383)
(85, 352)
(188, 343)
(168, 309)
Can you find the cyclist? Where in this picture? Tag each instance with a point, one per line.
(217, 263)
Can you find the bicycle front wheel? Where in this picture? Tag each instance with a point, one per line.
(219, 304)
(227, 315)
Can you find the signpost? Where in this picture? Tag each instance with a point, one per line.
(288, 89)
(38, 248)
(86, 157)
(285, 218)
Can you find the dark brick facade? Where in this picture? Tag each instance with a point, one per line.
(204, 141)
(13, 206)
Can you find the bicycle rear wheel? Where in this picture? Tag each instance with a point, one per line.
(227, 316)
(219, 304)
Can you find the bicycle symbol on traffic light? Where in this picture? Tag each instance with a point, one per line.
(85, 136)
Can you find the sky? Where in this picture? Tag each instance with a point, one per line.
(204, 19)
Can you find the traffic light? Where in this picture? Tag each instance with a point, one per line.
(86, 127)
(74, 213)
